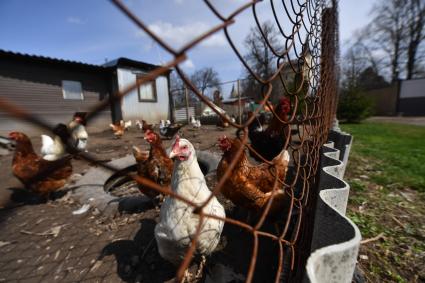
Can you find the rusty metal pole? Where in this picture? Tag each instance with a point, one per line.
(186, 95)
(239, 102)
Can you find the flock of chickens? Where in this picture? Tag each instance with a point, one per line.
(49, 172)
(166, 129)
(249, 186)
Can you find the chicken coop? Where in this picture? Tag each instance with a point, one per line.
(59, 88)
(245, 202)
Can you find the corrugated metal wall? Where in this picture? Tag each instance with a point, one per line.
(38, 88)
(181, 114)
(412, 97)
(412, 88)
(133, 109)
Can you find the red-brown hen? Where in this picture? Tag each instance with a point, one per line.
(251, 186)
(156, 166)
(37, 174)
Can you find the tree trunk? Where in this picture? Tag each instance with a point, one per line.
(416, 22)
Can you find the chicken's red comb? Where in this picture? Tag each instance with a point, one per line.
(284, 100)
(285, 103)
(222, 138)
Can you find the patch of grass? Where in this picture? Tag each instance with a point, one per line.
(398, 152)
(386, 173)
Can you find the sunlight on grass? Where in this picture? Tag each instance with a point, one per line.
(398, 149)
(386, 173)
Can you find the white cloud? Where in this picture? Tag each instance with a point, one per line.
(179, 35)
(188, 64)
(75, 20)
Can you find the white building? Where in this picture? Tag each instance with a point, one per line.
(150, 102)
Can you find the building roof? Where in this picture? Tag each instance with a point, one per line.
(125, 62)
(55, 61)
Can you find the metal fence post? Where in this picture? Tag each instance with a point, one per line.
(239, 102)
(186, 95)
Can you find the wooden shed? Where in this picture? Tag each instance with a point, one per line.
(55, 89)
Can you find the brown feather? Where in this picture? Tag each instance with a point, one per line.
(250, 186)
(156, 166)
(38, 175)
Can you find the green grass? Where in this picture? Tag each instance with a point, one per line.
(386, 173)
(398, 152)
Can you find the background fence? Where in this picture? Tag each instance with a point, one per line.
(313, 102)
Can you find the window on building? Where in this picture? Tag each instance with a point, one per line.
(72, 90)
(147, 92)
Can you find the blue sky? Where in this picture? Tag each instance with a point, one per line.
(94, 31)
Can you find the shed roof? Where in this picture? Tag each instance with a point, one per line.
(125, 62)
(23, 57)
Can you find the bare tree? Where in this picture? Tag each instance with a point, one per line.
(366, 52)
(393, 41)
(351, 68)
(206, 78)
(415, 33)
(389, 27)
(177, 89)
(260, 57)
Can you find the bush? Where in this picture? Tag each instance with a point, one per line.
(354, 106)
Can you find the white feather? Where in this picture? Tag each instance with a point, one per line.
(178, 223)
(46, 144)
(81, 136)
(195, 123)
(127, 124)
(139, 124)
(83, 209)
(52, 149)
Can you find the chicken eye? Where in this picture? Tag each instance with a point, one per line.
(184, 147)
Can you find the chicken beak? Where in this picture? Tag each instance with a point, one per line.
(172, 154)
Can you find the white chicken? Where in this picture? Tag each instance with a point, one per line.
(78, 133)
(52, 149)
(178, 223)
(126, 124)
(139, 124)
(195, 123)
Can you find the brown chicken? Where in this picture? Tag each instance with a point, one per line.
(118, 129)
(270, 142)
(249, 185)
(38, 175)
(155, 165)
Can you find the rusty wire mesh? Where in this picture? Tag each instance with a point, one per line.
(313, 106)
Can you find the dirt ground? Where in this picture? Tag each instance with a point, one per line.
(45, 242)
(392, 223)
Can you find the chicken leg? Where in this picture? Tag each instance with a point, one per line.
(201, 267)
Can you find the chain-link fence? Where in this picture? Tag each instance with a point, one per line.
(310, 54)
